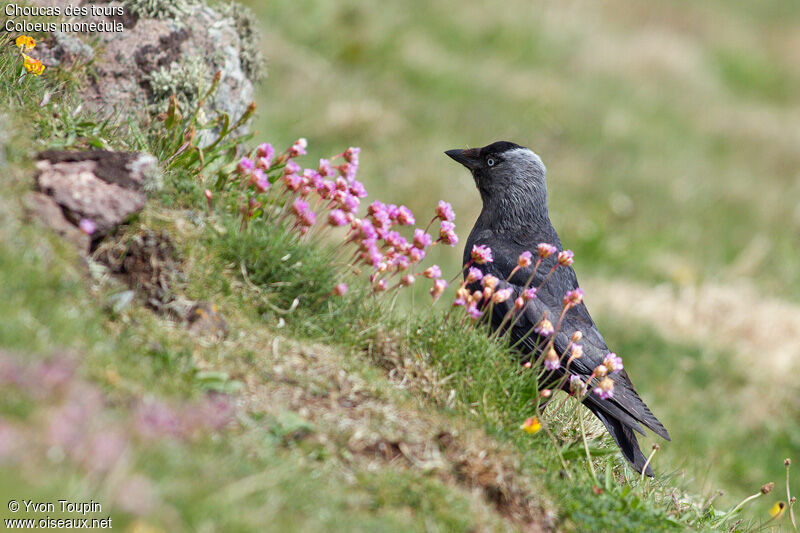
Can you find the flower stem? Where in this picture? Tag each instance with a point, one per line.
(586, 448)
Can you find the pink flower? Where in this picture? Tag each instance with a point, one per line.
(433, 272)
(524, 260)
(87, 226)
(260, 179)
(447, 233)
(264, 154)
(519, 303)
(473, 275)
(573, 298)
(502, 295)
(576, 384)
(474, 312)
(313, 177)
(407, 280)
(416, 254)
(340, 289)
(293, 182)
(605, 389)
(402, 263)
(291, 168)
(342, 185)
(299, 207)
(351, 154)
(551, 361)
(350, 203)
(576, 351)
(348, 170)
(374, 257)
(529, 294)
(566, 258)
(308, 218)
(357, 189)
(337, 218)
(245, 166)
(438, 288)
(367, 230)
(445, 211)
(544, 328)
(422, 239)
(326, 188)
(394, 238)
(382, 220)
(489, 281)
(404, 216)
(325, 168)
(375, 207)
(265, 150)
(380, 286)
(545, 250)
(298, 148)
(613, 362)
(481, 254)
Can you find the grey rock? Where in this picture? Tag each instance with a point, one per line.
(105, 187)
(47, 211)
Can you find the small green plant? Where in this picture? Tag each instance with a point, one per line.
(192, 141)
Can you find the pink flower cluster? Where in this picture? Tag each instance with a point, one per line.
(479, 291)
(331, 193)
(330, 186)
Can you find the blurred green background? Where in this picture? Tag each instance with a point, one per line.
(671, 134)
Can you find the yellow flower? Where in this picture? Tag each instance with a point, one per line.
(34, 66)
(776, 511)
(25, 43)
(531, 425)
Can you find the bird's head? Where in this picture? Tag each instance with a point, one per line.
(505, 171)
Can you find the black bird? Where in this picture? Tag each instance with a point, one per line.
(514, 219)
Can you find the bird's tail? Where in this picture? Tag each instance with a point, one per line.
(624, 437)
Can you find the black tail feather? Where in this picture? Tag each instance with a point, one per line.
(625, 439)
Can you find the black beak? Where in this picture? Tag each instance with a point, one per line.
(468, 158)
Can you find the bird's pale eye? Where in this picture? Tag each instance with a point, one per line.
(490, 162)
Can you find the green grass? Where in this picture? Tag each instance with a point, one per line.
(321, 384)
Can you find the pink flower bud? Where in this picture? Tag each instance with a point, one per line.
(502, 295)
(298, 148)
(444, 211)
(337, 218)
(566, 258)
(433, 272)
(438, 288)
(340, 289)
(87, 226)
(481, 254)
(545, 250)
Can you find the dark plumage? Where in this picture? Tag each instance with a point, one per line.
(514, 218)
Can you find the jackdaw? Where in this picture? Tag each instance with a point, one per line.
(515, 219)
